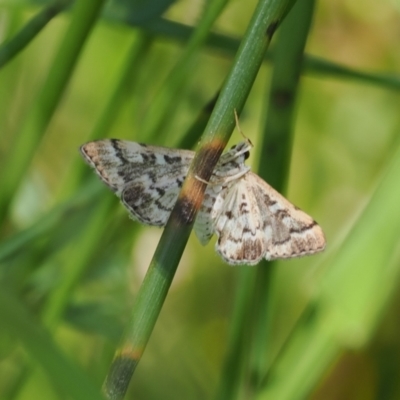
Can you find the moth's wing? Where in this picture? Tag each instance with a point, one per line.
(146, 178)
(119, 162)
(204, 224)
(293, 232)
(257, 222)
(151, 202)
(238, 225)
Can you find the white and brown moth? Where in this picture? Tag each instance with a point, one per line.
(251, 219)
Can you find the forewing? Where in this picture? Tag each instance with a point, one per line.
(151, 202)
(146, 178)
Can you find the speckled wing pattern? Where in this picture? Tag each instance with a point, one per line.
(147, 179)
(251, 219)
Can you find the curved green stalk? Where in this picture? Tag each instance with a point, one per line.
(311, 64)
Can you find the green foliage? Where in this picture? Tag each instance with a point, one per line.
(72, 263)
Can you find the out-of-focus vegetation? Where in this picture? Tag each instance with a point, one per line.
(71, 261)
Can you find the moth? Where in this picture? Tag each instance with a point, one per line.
(251, 220)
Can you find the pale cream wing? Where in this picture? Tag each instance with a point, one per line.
(257, 222)
(295, 233)
(239, 226)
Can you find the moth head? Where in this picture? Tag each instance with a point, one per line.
(242, 148)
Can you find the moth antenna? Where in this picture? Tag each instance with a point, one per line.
(240, 130)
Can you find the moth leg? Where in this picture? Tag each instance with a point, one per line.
(223, 180)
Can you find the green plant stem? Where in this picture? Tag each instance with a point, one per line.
(234, 364)
(25, 36)
(126, 81)
(191, 137)
(311, 64)
(66, 376)
(19, 156)
(48, 223)
(274, 165)
(280, 115)
(83, 249)
(348, 300)
(276, 149)
(154, 289)
(75, 259)
(85, 246)
(165, 102)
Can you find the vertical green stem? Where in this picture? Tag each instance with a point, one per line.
(162, 107)
(19, 156)
(276, 150)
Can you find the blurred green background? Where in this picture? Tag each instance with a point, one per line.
(71, 261)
